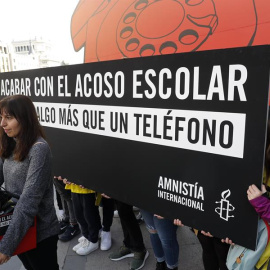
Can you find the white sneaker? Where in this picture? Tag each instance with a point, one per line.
(100, 233)
(75, 248)
(106, 240)
(87, 247)
(81, 239)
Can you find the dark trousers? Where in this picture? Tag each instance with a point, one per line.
(108, 211)
(87, 214)
(132, 233)
(43, 257)
(214, 252)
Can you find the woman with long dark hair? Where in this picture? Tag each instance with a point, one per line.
(25, 170)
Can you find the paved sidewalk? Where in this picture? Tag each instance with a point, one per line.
(189, 255)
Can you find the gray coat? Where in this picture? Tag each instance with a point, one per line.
(32, 180)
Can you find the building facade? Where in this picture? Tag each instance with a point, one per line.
(4, 57)
(27, 54)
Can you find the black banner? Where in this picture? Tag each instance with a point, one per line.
(179, 135)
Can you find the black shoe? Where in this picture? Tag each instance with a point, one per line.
(63, 226)
(161, 266)
(70, 232)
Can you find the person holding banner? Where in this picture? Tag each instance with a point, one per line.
(133, 245)
(86, 207)
(25, 170)
(260, 199)
(69, 227)
(163, 239)
(214, 251)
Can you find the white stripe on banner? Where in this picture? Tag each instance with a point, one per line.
(211, 132)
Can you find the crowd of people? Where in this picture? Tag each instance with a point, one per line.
(26, 170)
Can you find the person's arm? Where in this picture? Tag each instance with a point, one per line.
(260, 203)
(262, 206)
(37, 181)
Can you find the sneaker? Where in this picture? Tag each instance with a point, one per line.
(81, 243)
(115, 213)
(139, 260)
(161, 266)
(63, 226)
(100, 233)
(122, 253)
(87, 247)
(106, 240)
(70, 232)
(81, 239)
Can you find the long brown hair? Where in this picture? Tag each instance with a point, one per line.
(23, 109)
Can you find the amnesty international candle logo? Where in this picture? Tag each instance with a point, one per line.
(224, 206)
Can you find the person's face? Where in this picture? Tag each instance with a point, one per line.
(10, 125)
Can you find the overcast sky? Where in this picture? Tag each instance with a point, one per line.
(50, 19)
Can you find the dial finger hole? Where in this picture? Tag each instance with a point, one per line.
(188, 37)
(126, 32)
(130, 17)
(168, 47)
(147, 50)
(132, 44)
(141, 4)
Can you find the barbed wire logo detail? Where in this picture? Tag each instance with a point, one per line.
(225, 207)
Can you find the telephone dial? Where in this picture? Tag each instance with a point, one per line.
(115, 29)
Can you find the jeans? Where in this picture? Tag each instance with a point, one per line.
(214, 252)
(132, 233)
(163, 239)
(43, 257)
